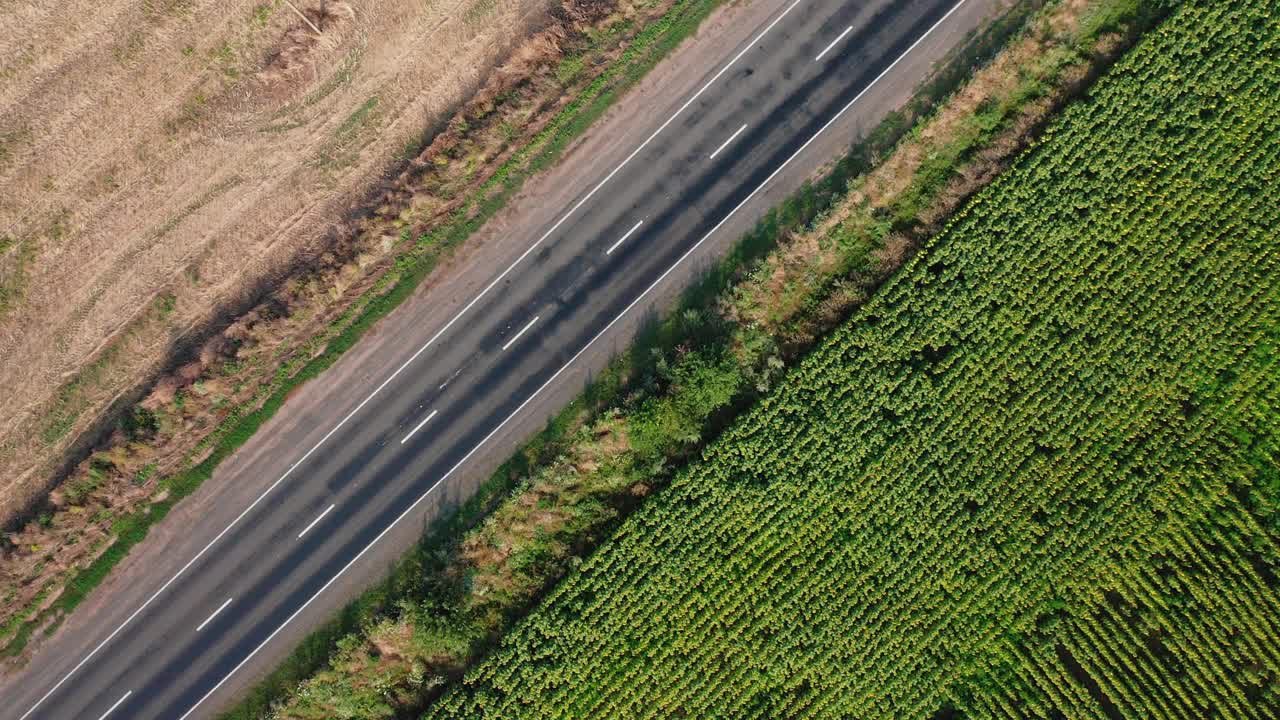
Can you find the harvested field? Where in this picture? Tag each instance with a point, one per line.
(161, 160)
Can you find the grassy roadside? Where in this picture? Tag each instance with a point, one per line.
(389, 652)
(612, 51)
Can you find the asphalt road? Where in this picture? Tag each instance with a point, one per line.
(763, 103)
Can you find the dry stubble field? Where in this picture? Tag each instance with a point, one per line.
(159, 159)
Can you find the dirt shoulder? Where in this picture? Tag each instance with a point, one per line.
(162, 161)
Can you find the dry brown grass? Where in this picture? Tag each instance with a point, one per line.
(545, 508)
(195, 149)
(302, 53)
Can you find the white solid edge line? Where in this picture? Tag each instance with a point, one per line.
(827, 49)
(725, 144)
(113, 707)
(552, 379)
(623, 238)
(209, 619)
(415, 429)
(406, 363)
(320, 517)
(523, 330)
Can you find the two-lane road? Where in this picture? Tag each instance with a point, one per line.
(519, 335)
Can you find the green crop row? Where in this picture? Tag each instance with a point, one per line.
(1034, 476)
